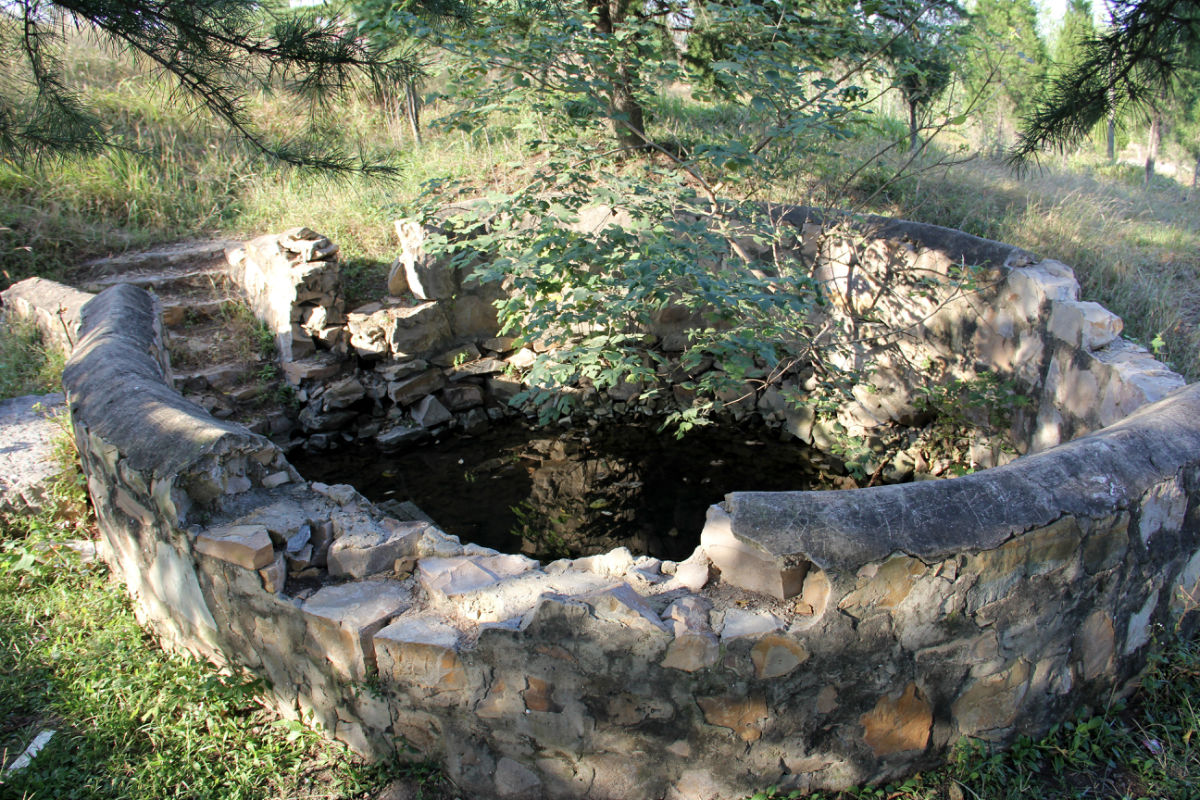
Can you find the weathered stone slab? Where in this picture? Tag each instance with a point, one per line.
(478, 368)
(362, 546)
(409, 390)
(52, 307)
(744, 565)
(248, 546)
(343, 393)
(318, 367)
(420, 651)
(1084, 324)
(898, 724)
(343, 619)
(400, 436)
(743, 715)
(429, 412)
(428, 277)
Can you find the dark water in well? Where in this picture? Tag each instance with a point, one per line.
(576, 492)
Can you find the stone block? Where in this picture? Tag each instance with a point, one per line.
(615, 563)
(1095, 645)
(1028, 288)
(522, 359)
(417, 330)
(273, 577)
(420, 651)
(428, 412)
(504, 388)
(463, 396)
(473, 317)
(1163, 509)
(456, 355)
(317, 368)
(1137, 632)
(276, 479)
(354, 736)
(1084, 324)
(478, 368)
(742, 623)
(343, 393)
(247, 546)
(691, 650)
(745, 565)
(428, 277)
(322, 422)
(397, 279)
(898, 724)
(774, 656)
(624, 605)
(500, 344)
(745, 716)
(452, 576)
(409, 390)
(400, 436)
(992, 703)
(362, 546)
(516, 780)
(52, 307)
(343, 619)
(398, 370)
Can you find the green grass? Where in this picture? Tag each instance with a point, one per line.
(26, 367)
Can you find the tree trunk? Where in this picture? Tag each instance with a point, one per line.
(1152, 149)
(914, 131)
(412, 109)
(626, 117)
(1112, 138)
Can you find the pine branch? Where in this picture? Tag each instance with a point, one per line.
(214, 51)
(1124, 68)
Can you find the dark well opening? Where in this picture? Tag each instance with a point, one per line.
(552, 493)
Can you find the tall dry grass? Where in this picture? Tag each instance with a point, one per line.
(181, 175)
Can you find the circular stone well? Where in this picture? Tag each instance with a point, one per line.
(814, 639)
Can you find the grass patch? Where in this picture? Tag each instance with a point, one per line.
(26, 366)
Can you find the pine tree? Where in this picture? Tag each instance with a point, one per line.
(1076, 27)
(1007, 63)
(1127, 67)
(213, 50)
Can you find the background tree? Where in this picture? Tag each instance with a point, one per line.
(1006, 65)
(213, 50)
(397, 28)
(613, 226)
(1075, 28)
(925, 57)
(1118, 70)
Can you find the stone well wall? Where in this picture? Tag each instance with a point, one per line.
(922, 305)
(814, 640)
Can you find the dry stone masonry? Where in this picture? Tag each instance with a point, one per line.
(815, 639)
